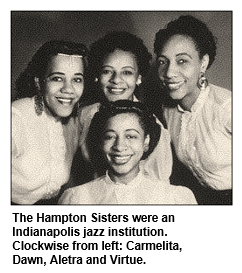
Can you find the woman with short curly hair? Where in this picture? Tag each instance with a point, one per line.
(199, 117)
(117, 63)
(121, 134)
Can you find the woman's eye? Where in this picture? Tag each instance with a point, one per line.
(109, 137)
(56, 79)
(131, 136)
(106, 71)
(128, 72)
(78, 80)
(182, 61)
(162, 62)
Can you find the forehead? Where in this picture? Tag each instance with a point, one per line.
(66, 63)
(179, 44)
(120, 57)
(123, 122)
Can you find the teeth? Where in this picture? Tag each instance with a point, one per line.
(121, 159)
(64, 101)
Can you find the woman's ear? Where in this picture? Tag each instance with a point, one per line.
(205, 62)
(139, 80)
(146, 143)
(37, 83)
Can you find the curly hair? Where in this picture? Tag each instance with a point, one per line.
(25, 83)
(110, 109)
(118, 40)
(188, 25)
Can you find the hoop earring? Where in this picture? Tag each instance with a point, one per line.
(39, 104)
(202, 82)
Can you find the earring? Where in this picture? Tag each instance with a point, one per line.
(202, 82)
(38, 104)
(96, 80)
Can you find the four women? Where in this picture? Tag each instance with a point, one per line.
(124, 138)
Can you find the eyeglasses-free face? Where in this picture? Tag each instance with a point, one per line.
(119, 75)
(124, 143)
(63, 84)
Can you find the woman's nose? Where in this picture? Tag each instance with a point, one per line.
(116, 78)
(171, 70)
(120, 144)
(67, 87)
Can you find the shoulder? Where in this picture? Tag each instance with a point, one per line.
(82, 194)
(89, 110)
(220, 95)
(23, 106)
(183, 195)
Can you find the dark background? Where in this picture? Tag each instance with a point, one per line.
(30, 29)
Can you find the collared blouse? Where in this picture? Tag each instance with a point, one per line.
(202, 138)
(159, 163)
(42, 153)
(141, 190)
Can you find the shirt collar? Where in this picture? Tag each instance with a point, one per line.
(198, 103)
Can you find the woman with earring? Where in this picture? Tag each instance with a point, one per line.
(199, 117)
(116, 65)
(45, 127)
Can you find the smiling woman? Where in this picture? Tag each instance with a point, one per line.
(45, 129)
(116, 65)
(199, 119)
(121, 134)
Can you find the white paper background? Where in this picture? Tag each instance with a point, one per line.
(210, 236)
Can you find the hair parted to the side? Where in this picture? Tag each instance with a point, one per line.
(25, 83)
(110, 109)
(197, 30)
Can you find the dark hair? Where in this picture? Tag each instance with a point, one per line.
(108, 44)
(111, 109)
(188, 25)
(25, 83)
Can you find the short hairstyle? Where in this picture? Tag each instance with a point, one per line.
(188, 25)
(110, 109)
(25, 83)
(118, 40)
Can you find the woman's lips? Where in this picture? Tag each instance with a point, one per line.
(116, 91)
(174, 85)
(65, 101)
(119, 160)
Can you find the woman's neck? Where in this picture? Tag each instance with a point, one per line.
(188, 101)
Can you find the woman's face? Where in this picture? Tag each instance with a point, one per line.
(63, 84)
(179, 67)
(124, 143)
(119, 75)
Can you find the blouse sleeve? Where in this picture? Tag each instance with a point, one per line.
(185, 196)
(227, 116)
(17, 134)
(67, 197)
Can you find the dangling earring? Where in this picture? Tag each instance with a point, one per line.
(96, 80)
(39, 104)
(202, 82)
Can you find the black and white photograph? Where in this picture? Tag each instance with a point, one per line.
(121, 107)
(118, 151)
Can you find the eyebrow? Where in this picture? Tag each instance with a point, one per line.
(60, 73)
(178, 55)
(113, 131)
(128, 66)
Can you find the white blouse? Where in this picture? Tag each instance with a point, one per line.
(202, 137)
(159, 163)
(141, 190)
(42, 152)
